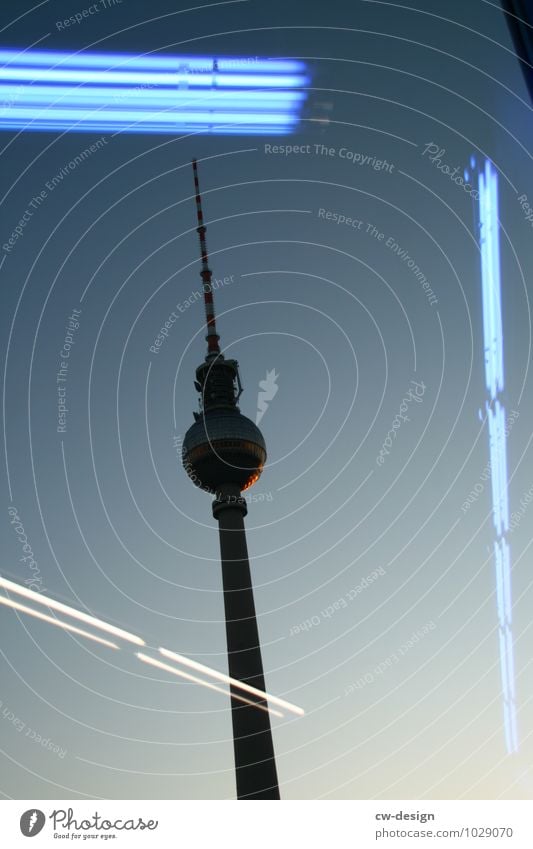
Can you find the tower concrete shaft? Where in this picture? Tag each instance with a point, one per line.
(255, 764)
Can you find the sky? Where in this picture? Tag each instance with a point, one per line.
(374, 585)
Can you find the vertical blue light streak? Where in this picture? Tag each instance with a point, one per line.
(494, 380)
(497, 288)
(485, 288)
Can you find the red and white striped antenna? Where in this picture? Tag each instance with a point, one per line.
(212, 337)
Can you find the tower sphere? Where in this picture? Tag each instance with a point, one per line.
(223, 447)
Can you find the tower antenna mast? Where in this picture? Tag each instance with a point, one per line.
(213, 348)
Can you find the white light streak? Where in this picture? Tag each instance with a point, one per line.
(51, 621)
(200, 94)
(39, 598)
(99, 97)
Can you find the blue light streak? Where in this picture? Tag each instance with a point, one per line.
(153, 62)
(49, 90)
(103, 96)
(172, 118)
(494, 380)
(135, 77)
(106, 126)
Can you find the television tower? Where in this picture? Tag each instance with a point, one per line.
(224, 453)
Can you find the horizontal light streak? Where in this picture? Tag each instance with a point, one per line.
(227, 679)
(153, 62)
(58, 606)
(138, 77)
(22, 608)
(52, 91)
(103, 96)
(105, 126)
(39, 598)
(222, 116)
(167, 668)
(250, 131)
